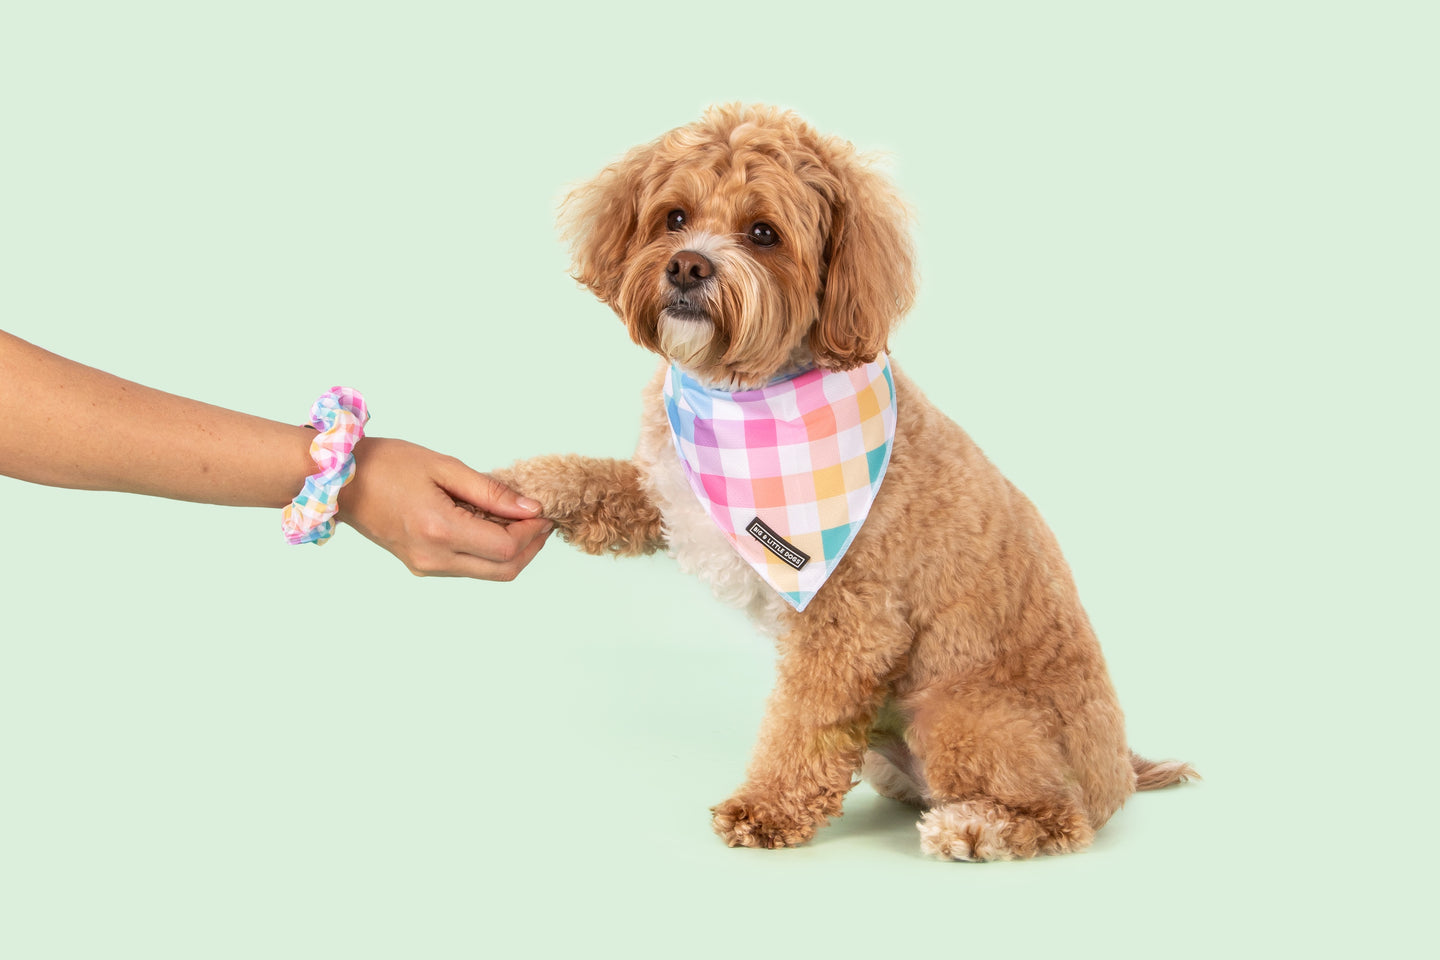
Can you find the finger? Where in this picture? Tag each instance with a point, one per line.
(478, 568)
(525, 532)
(484, 540)
(488, 494)
(528, 552)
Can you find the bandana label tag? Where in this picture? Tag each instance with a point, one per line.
(777, 544)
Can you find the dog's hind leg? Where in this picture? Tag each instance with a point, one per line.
(999, 785)
(889, 768)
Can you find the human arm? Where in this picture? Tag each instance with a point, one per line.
(68, 425)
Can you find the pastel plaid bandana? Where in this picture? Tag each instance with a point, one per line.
(339, 416)
(787, 472)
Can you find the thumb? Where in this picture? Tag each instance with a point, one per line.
(489, 494)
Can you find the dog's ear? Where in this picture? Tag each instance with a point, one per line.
(599, 220)
(869, 266)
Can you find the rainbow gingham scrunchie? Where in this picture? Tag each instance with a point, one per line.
(340, 416)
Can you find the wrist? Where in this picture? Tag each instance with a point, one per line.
(339, 417)
(354, 494)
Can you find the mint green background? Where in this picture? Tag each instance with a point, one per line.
(1178, 279)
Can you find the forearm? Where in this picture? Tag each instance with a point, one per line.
(68, 425)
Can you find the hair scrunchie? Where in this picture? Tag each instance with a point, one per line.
(340, 416)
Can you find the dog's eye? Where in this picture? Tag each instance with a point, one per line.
(675, 220)
(763, 235)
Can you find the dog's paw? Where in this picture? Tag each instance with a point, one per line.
(977, 830)
(966, 831)
(745, 821)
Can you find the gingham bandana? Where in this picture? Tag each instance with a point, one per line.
(787, 472)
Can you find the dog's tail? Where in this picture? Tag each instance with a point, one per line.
(1150, 775)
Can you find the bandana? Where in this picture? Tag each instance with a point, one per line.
(787, 472)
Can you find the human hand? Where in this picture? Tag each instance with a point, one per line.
(421, 506)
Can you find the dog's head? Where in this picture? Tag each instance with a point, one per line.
(744, 245)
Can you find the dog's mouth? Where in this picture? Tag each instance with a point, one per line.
(683, 308)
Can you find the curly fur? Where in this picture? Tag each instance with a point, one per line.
(948, 656)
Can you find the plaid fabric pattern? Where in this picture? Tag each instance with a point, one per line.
(339, 416)
(804, 456)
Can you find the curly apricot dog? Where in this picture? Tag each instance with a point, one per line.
(947, 658)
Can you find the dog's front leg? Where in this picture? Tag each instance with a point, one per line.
(835, 669)
(597, 504)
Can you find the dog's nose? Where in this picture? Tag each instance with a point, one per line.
(688, 269)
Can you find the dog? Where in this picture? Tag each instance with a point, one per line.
(946, 657)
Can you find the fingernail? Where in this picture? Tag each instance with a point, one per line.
(525, 503)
